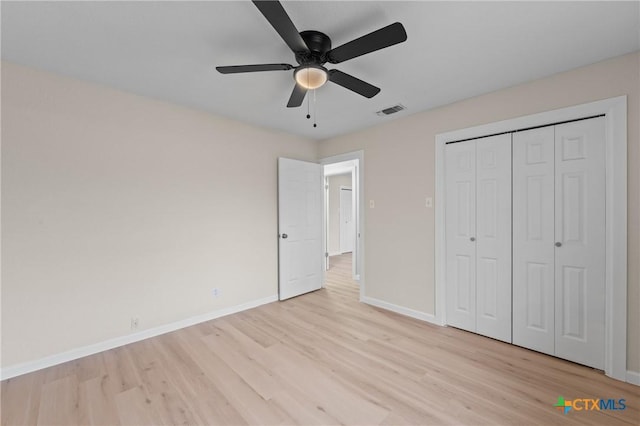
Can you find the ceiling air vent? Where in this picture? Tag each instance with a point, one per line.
(391, 110)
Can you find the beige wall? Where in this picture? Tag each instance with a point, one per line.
(335, 182)
(114, 206)
(400, 154)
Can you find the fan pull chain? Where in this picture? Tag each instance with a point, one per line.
(315, 109)
(308, 114)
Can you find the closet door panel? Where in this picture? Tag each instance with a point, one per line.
(493, 239)
(580, 238)
(533, 239)
(460, 224)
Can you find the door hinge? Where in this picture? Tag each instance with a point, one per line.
(326, 187)
(326, 254)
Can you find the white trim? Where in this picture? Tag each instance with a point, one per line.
(49, 361)
(423, 316)
(440, 248)
(355, 200)
(615, 110)
(340, 168)
(359, 187)
(633, 377)
(615, 357)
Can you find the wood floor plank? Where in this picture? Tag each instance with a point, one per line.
(164, 398)
(244, 323)
(203, 399)
(244, 364)
(21, 399)
(59, 402)
(134, 408)
(96, 404)
(239, 394)
(121, 373)
(318, 359)
(309, 379)
(301, 410)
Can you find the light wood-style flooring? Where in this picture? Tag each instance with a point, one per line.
(318, 359)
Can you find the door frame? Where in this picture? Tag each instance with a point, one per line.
(615, 112)
(358, 188)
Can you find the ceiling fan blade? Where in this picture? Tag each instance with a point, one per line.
(297, 96)
(354, 84)
(280, 21)
(384, 37)
(254, 68)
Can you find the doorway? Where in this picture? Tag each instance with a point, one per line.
(339, 219)
(339, 224)
(303, 251)
(344, 248)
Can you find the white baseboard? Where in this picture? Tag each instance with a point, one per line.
(633, 377)
(423, 316)
(28, 367)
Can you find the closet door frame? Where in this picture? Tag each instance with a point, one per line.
(615, 114)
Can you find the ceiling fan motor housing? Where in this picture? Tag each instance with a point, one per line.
(318, 43)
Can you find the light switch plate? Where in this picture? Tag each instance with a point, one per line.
(372, 204)
(429, 202)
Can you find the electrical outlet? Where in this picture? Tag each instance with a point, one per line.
(134, 323)
(215, 292)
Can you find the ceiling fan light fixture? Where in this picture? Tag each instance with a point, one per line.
(311, 77)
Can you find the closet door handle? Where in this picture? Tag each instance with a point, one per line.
(472, 239)
(558, 244)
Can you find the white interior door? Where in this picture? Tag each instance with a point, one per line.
(493, 237)
(533, 239)
(460, 229)
(580, 241)
(300, 227)
(559, 240)
(347, 228)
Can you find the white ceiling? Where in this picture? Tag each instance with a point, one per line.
(455, 50)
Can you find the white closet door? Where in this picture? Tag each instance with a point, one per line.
(533, 239)
(580, 241)
(493, 237)
(460, 228)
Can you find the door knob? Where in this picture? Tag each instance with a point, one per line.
(472, 238)
(284, 236)
(558, 244)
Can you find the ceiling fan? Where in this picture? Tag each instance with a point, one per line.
(312, 49)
